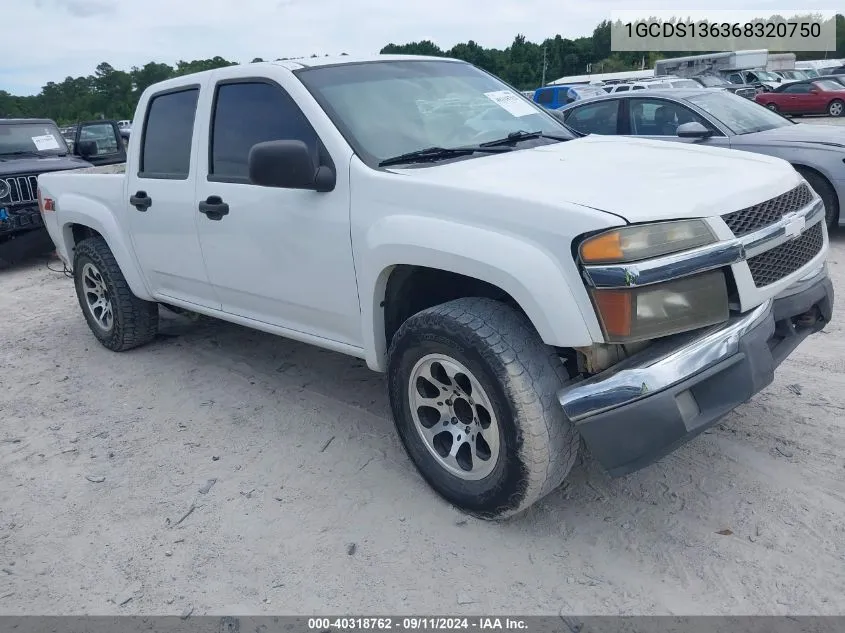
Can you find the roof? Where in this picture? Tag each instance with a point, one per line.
(314, 62)
(597, 77)
(295, 64)
(676, 93)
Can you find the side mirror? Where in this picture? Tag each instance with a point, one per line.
(693, 129)
(288, 165)
(558, 115)
(86, 149)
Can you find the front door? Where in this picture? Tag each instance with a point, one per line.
(657, 118)
(278, 256)
(161, 201)
(99, 143)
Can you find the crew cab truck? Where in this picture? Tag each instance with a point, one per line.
(523, 287)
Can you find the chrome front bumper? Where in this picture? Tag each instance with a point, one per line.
(653, 401)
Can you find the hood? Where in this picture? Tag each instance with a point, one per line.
(32, 165)
(639, 180)
(829, 135)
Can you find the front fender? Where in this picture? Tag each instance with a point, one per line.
(561, 314)
(76, 209)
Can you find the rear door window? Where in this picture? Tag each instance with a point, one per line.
(168, 134)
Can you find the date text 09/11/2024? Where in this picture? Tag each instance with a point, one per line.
(435, 623)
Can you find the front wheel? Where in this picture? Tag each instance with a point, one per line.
(473, 394)
(836, 108)
(772, 107)
(118, 318)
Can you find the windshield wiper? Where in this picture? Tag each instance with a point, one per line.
(522, 135)
(439, 153)
(24, 152)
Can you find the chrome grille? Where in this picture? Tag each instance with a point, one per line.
(22, 190)
(768, 212)
(777, 263)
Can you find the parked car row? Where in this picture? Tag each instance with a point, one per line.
(556, 96)
(524, 285)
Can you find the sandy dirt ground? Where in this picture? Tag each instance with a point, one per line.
(221, 470)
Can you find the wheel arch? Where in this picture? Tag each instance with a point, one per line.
(479, 262)
(803, 168)
(97, 220)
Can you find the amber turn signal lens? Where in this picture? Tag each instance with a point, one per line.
(615, 310)
(603, 248)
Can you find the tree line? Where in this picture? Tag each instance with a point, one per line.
(112, 93)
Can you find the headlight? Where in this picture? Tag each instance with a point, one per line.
(647, 312)
(643, 241)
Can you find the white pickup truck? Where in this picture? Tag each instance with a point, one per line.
(522, 286)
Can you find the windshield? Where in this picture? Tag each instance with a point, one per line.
(829, 84)
(810, 73)
(738, 114)
(762, 75)
(31, 138)
(385, 109)
(712, 80)
(793, 74)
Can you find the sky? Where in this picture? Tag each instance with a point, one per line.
(52, 39)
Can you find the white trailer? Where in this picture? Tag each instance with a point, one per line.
(712, 63)
(780, 61)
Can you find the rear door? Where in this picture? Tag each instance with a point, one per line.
(161, 199)
(99, 143)
(595, 118)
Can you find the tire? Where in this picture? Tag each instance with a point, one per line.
(773, 107)
(836, 108)
(502, 367)
(102, 291)
(822, 187)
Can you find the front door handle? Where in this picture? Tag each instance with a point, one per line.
(141, 201)
(214, 208)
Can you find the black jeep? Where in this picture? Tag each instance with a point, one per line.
(29, 147)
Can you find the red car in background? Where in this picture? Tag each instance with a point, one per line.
(821, 96)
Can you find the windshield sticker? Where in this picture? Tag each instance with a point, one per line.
(45, 142)
(510, 102)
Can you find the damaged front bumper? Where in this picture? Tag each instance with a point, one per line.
(656, 400)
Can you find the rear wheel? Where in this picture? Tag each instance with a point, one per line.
(473, 393)
(825, 190)
(118, 318)
(836, 108)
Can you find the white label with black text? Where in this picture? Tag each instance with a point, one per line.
(514, 104)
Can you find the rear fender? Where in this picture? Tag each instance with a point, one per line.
(100, 218)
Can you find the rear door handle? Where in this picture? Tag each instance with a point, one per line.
(214, 208)
(141, 201)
